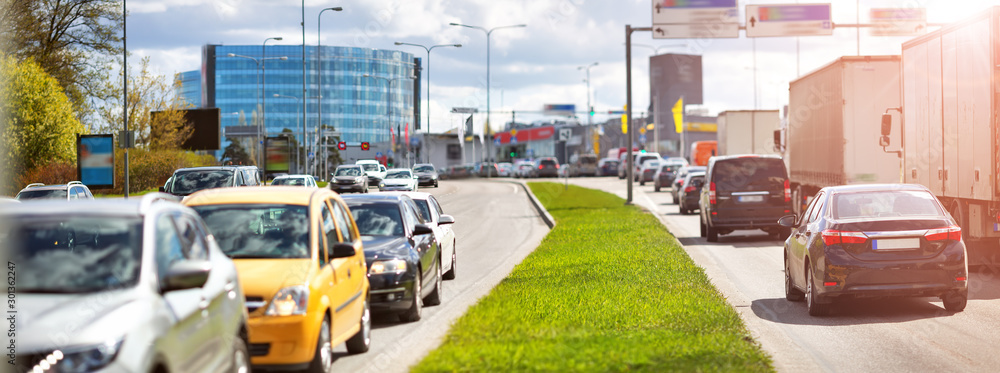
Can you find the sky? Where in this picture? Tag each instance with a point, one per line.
(531, 66)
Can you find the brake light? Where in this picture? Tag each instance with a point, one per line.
(540, 167)
(829, 283)
(835, 237)
(557, 166)
(689, 189)
(953, 232)
(711, 193)
(788, 192)
(961, 278)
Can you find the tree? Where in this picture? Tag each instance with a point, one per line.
(147, 92)
(73, 41)
(236, 153)
(39, 125)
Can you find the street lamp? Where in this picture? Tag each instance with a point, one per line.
(260, 66)
(428, 123)
(488, 33)
(319, 74)
(590, 119)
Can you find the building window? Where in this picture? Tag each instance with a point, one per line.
(454, 151)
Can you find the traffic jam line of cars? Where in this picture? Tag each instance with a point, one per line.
(270, 277)
(858, 241)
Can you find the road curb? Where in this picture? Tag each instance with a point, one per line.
(549, 221)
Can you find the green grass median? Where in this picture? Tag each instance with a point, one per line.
(609, 289)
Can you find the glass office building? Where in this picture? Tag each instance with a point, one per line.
(242, 81)
(188, 87)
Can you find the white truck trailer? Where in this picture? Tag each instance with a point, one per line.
(828, 138)
(950, 130)
(747, 131)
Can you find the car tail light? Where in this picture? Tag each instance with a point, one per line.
(557, 166)
(711, 193)
(788, 192)
(829, 284)
(540, 167)
(960, 278)
(689, 189)
(834, 237)
(953, 232)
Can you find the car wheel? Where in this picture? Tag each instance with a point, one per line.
(241, 357)
(413, 314)
(812, 299)
(711, 233)
(450, 275)
(435, 183)
(435, 297)
(323, 358)
(642, 182)
(362, 340)
(955, 301)
(702, 228)
(791, 293)
(656, 187)
(673, 199)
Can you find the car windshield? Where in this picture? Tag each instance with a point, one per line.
(377, 219)
(896, 203)
(423, 209)
(370, 167)
(348, 171)
(401, 174)
(289, 181)
(588, 160)
(259, 231)
(74, 254)
(423, 169)
(41, 194)
(187, 182)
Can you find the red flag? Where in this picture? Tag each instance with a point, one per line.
(407, 129)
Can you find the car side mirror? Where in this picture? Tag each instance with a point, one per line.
(787, 221)
(422, 229)
(186, 274)
(446, 219)
(343, 250)
(162, 190)
(886, 124)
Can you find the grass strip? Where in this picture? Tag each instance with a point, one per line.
(608, 289)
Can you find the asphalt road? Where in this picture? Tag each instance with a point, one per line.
(873, 335)
(495, 227)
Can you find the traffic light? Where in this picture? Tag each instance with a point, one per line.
(365, 146)
(591, 111)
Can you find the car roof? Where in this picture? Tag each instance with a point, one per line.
(417, 195)
(397, 169)
(254, 195)
(212, 168)
(363, 161)
(749, 156)
(292, 176)
(876, 188)
(376, 197)
(49, 187)
(100, 206)
(349, 165)
(424, 164)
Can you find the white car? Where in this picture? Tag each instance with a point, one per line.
(430, 210)
(398, 179)
(295, 180)
(374, 170)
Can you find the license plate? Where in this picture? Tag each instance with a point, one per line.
(896, 244)
(750, 199)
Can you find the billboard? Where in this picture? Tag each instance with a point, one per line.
(95, 160)
(205, 123)
(277, 154)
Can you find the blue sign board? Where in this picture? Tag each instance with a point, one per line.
(96, 160)
(378, 154)
(642, 138)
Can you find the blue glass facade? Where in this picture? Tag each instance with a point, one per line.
(188, 87)
(361, 108)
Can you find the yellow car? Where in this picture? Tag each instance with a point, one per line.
(302, 267)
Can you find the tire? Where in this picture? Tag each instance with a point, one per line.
(414, 313)
(791, 293)
(656, 187)
(812, 299)
(673, 199)
(435, 296)
(450, 275)
(241, 357)
(642, 182)
(322, 361)
(702, 228)
(711, 233)
(435, 183)
(956, 301)
(361, 341)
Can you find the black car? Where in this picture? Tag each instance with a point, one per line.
(744, 192)
(690, 190)
(349, 178)
(679, 180)
(426, 174)
(607, 167)
(548, 167)
(403, 258)
(875, 241)
(189, 180)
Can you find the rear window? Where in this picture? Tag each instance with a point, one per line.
(749, 174)
(549, 162)
(588, 160)
(885, 204)
(41, 194)
(370, 167)
(187, 182)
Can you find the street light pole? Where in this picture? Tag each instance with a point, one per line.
(427, 155)
(590, 119)
(319, 75)
(488, 33)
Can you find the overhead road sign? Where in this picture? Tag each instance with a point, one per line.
(695, 11)
(565, 110)
(464, 110)
(788, 20)
(696, 31)
(565, 134)
(898, 21)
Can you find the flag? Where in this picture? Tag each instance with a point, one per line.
(407, 132)
(678, 111)
(393, 142)
(468, 129)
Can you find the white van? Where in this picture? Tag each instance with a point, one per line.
(374, 170)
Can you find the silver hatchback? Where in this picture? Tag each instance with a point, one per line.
(133, 285)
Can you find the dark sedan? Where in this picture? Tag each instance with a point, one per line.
(548, 167)
(404, 260)
(349, 178)
(426, 174)
(874, 241)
